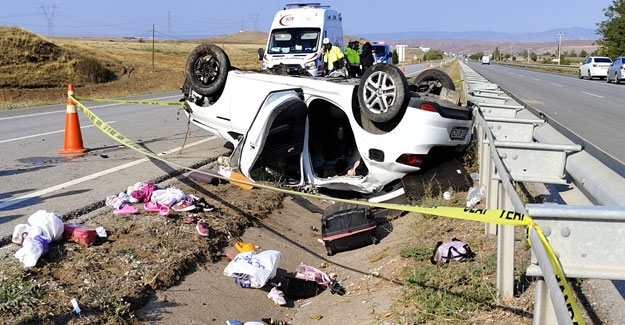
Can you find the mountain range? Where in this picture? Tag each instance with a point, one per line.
(572, 33)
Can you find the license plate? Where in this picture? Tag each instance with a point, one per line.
(458, 133)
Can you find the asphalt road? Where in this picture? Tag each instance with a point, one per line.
(35, 177)
(592, 109)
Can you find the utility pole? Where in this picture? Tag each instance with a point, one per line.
(50, 17)
(169, 23)
(255, 20)
(559, 45)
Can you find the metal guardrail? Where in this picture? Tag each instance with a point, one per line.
(567, 69)
(517, 146)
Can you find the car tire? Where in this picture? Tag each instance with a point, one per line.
(206, 69)
(383, 93)
(579, 75)
(432, 81)
(607, 78)
(589, 75)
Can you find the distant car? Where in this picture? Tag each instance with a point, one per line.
(362, 135)
(594, 66)
(381, 52)
(486, 59)
(616, 71)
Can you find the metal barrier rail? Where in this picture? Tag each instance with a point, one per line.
(567, 69)
(517, 146)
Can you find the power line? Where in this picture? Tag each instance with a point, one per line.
(255, 20)
(50, 17)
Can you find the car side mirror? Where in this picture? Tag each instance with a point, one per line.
(261, 53)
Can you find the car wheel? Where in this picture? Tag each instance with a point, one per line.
(589, 75)
(607, 78)
(579, 74)
(383, 93)
(432, 81)
(207, 69)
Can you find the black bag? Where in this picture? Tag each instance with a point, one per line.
(295, 287)
(347, 226)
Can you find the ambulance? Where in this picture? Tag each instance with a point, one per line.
(294, 42)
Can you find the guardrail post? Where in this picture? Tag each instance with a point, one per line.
(505, 251)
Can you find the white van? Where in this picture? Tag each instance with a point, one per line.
(486, 59)
(294, 43)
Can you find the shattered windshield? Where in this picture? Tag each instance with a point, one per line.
(293, 40)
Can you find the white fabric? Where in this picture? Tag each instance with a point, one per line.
(168, 196)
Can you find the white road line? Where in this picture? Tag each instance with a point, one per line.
(535, 79)
(551, 83)
(92, 107)
(583, 92)
(92, 176)
(46, 133)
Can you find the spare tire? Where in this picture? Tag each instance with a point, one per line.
(207, 69)
(431, 81)
(383, 93)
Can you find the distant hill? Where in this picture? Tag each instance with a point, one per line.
(574, 39)
(574, 33)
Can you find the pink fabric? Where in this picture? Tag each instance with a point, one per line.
(144, 194)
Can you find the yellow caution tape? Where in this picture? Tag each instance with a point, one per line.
(574, 311)
(127, 101)
(502, 217)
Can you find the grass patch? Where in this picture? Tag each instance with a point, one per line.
(446, 293)
(18, 293)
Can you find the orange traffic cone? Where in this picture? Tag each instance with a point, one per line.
(73, 137)
(403, 68)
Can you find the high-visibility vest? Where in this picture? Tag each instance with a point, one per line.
(334, 54)
(352, 56)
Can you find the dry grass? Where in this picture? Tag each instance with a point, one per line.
(36, 71)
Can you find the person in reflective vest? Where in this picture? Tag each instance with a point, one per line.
(332, 56)
(353, 58)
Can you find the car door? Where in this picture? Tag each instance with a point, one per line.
(586, 66)
(611, 69)
(273, 145)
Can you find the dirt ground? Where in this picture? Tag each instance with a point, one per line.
(158, 270)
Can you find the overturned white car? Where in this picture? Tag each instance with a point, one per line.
(359, 135)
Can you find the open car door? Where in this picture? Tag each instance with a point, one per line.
(272, 147)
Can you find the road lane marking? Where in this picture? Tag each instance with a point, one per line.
(83, 179)
(46, 133)
(535, 79)
(63, 111)
(599, 96)
(551, 83)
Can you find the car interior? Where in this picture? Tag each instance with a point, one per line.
(331, 144)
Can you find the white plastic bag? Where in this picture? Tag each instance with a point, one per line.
(50, 225)
(31, 251)
(257, 268)
(44, 227)
(475, 195)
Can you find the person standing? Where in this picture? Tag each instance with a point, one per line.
(366, 56)
(353, 58)
(332, 56)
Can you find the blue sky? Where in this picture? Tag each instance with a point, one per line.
(184, 18)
